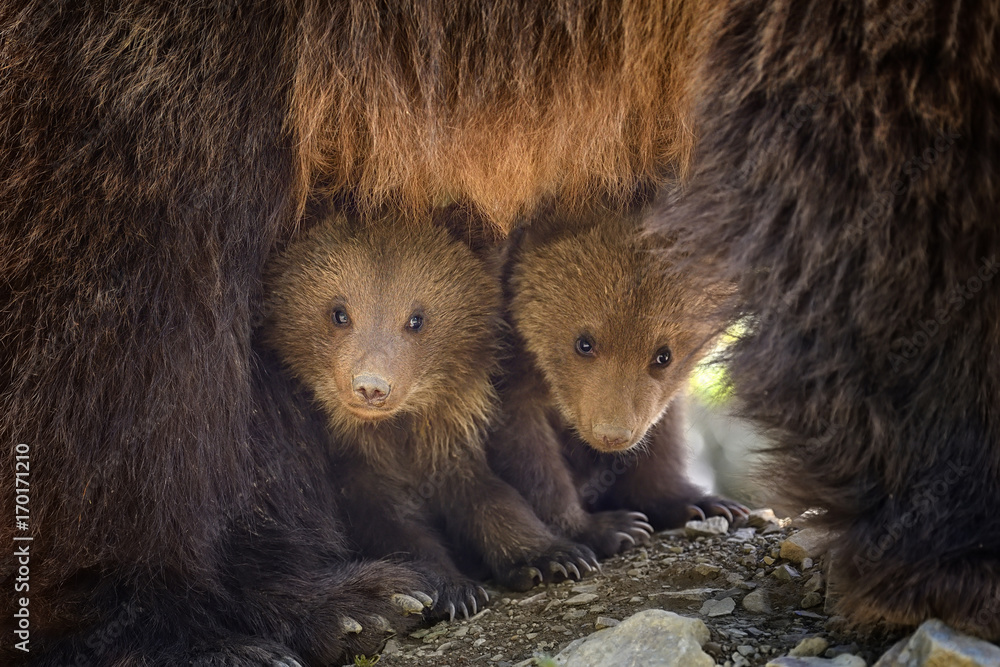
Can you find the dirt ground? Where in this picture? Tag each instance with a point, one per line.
(756, 604)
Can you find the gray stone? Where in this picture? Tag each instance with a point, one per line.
(721, 607)
(582, 598)
(814, 584)
(811, 600)
(710, 527)
(651, 638)
(785, 573)
(756, 602)
(840, 661)
(934, 644)
(605, 622)
(807, 543)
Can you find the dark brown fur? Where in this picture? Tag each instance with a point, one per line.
(153, 156)
(413, 473)
(594, 276)
(846, 177)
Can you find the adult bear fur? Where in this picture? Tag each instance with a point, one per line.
(153, 156)
(846, 177)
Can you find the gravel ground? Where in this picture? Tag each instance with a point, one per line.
(756, 604)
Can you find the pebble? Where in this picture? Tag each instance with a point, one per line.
(756, 602)
(605, 622)
(715, 525)
(814, 584)
(713, 608)
(582, 598)
(785, 573)
(806, 543)
(573, 614)
(809, 647)
(811, 600)
(583, 588)
(840, 661)
(761, 518)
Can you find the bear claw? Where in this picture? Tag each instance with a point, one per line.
(407, 604)
(349, 625)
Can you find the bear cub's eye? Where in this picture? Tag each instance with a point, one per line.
(340, 317)
(662, 357)
(584, 346)
(416, 321)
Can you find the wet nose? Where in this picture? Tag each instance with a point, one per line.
(371, 388)
(613, 436)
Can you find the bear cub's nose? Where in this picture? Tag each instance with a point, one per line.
(613, 436)
(372, 388)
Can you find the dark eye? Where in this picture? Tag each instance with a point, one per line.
(584, 346)
(662, 357)
(416, 321)
(340, 317)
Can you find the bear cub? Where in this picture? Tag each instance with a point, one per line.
(393, 328)
(603, 337)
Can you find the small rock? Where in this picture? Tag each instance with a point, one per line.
(584, 588)
(761, 518)
(841, 649)
(811, 646)
(811, 600)
(651, 638)
(768, 560)
(634, 573)
(746, 650)
(771, 528)
(391, 646)
(785, 573)
(807, 563)
(934, 643)
(756, 602)
(710, 527)
(533, 599)
(814, 584)
(635, 598)
(840, 661)
(596, 609)
(744, 534)
(676, 550)
(605, 622)
(573, 614)
(691, 594)
(713, 608)
(707, 570)
(582, 598)
(807, 543)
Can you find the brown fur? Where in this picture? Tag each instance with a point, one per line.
(412, 461)
(846, 178)
(154, 156)
(498, 104)
(594, 276)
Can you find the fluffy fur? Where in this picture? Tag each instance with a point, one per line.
(846, 177)
(591, 433)
(394, 331)
(154, 156)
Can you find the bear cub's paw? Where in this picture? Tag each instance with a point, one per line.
(456, 597)
(563, 560)
(612, 532)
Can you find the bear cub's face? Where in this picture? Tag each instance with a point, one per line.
(381, 320)
(614, 334)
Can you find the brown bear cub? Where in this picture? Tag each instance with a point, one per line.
(604, 337)
(393, 328)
